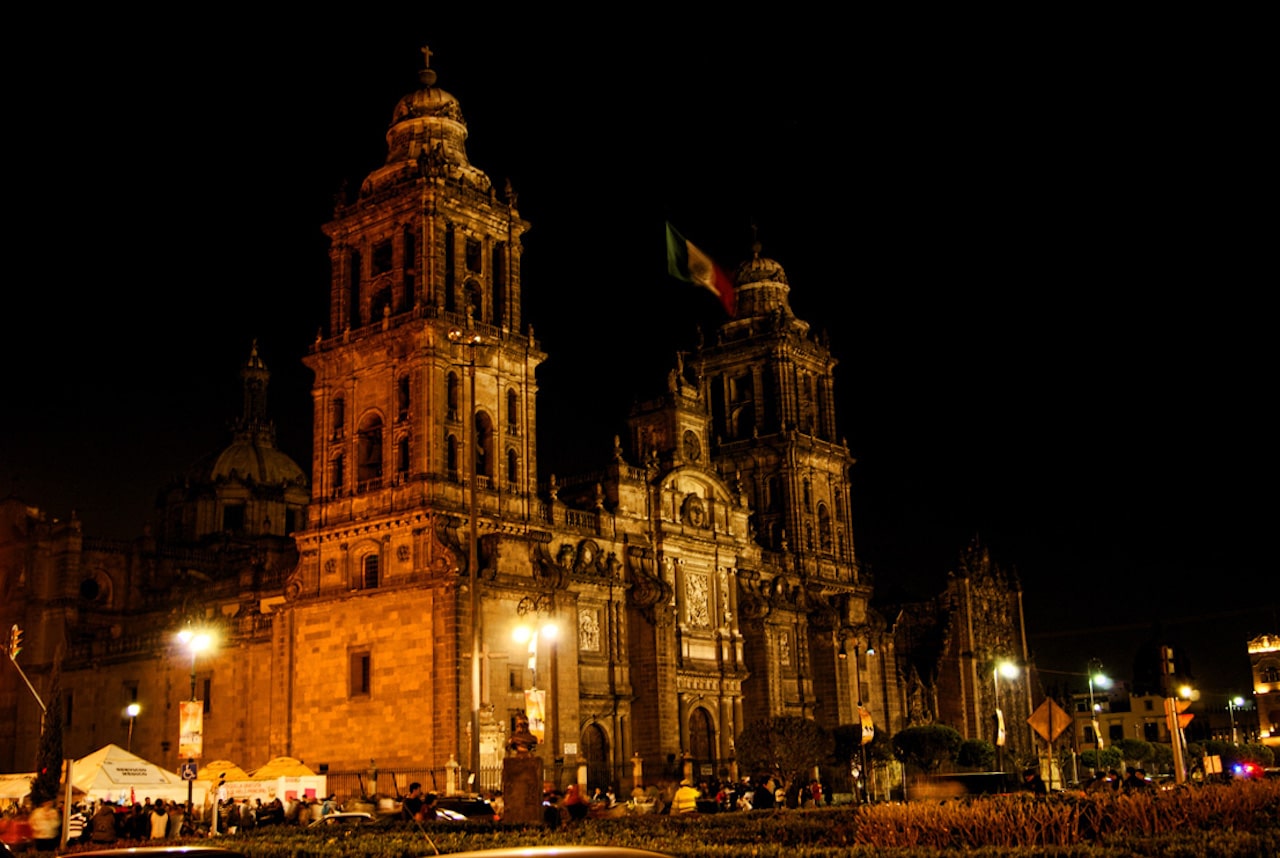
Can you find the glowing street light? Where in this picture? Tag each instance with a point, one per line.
(1234, 703)
(190, 714)
(538, 704)
(132, 711)
(1008, 670)
(1096, 677)
(197, 642)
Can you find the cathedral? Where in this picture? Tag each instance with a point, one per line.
(426, 588)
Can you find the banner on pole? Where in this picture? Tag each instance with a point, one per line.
(190, 729)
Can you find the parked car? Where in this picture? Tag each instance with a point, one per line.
(173, 851)
(560, 852)
(460, 808)
(342, 819)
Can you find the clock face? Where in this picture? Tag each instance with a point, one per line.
(692, 447)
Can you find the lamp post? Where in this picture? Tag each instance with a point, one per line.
(866, 725)
(1009, 670)
(190, 720)
(1234, 703)
(1103, 681)
(471, 339)
(132, 711)
(528, 634)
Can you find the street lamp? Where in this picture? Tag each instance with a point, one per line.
(190, 715)
(1103, 681)
(471, 339)
(132, 711)
(197, 642)
(1008, 670)
(1234, 703)
(866, 724)
(527, 634)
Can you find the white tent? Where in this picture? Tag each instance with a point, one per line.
(17, 786)
(113, 774)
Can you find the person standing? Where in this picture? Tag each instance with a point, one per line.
(159, 820)
(411, 807)
(102, 825)
(46, 826)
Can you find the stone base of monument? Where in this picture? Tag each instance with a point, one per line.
(522, 789)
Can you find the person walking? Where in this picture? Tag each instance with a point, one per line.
(686, 798)
(46, 826)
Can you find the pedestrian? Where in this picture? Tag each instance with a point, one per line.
(46, 826)
(77, 823)
(412, 804)
(1032, 781)
(159, 820)
(102, 825)
(686, 798)
(575, 803)
(815, 792)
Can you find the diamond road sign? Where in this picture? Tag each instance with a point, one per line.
(1049, 720)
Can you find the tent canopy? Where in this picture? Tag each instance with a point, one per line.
(16, 786)
(215, 770)
(282, 767)
(113, 774)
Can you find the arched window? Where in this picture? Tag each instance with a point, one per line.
(369, 453)
(402, 397)
(484, 445)
(451, 395)
(808, 500)
(513, 469)
(824, 527)
(513, 412)
(339, 417)
(451, 457)
(402, 456)
(474, 299)
(369, 572)
(339, 474)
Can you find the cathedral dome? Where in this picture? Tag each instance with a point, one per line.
(427, 138)
(762, 287)
(249, 487)
(760, 269)
(252, 459)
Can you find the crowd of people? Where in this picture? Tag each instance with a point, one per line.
(105, 822)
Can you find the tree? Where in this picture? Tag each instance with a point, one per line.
(927, 747)
(976, 754)
(1135, 751)
(786, 746)
(49, 753)
(1109, 759)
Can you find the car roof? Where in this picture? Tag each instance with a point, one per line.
(177, 850)
(576, 851)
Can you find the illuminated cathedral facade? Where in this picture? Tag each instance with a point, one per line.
(702, 576)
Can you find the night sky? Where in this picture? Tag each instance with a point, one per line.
(1038, 261)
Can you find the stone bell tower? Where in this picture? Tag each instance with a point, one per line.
(422, 380)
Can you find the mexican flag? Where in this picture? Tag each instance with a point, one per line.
(686, 262)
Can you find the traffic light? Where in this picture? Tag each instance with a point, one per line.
(15, 642)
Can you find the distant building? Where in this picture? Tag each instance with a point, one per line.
(1264, 658)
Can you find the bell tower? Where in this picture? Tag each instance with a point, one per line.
(770, 388)
(425, 287)
(424, 434)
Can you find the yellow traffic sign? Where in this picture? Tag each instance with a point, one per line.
(1049, 720)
